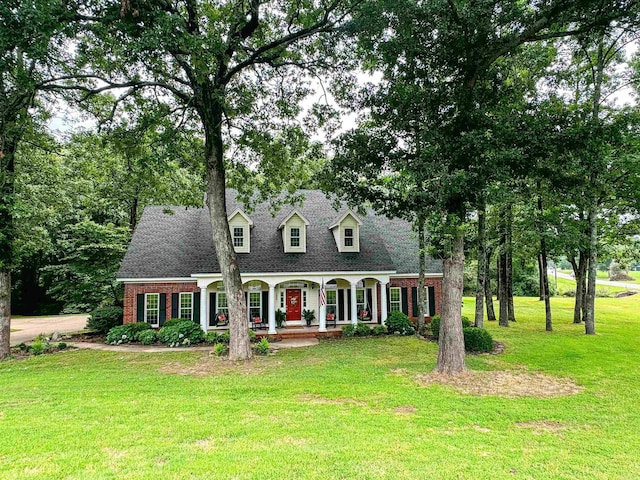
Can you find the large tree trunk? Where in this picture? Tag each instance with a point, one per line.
(579, 272)
(211, 114)
(482, 271)
(544, 276)
(451, 343)
(488, 294)
(589, 318)
(8, 147)
(502, 274)
(421, 272)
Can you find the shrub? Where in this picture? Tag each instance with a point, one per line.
(477, 340)
(603, 292)
(120, 334)
(569, 293)
(104, 319)
(252, 336)
(23, 346)
(379, 330)
(147, 337)
(309, 316)
(362, 330)
(219, 349)
(262, 347)
(135, 329)
(348, 330)
(183, 333)
(399, 323)
(172, 321)
(435, 325)
(38, 347)
(224, 338)
(211, 337)
(62, 346)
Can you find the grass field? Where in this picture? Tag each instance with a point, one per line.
(601, 275)
(344, 409)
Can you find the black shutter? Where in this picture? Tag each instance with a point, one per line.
(432, 301)
(140, 308)
(162, 316)
(175, 300)
(340, 304)
(405, 300)
(265, 306)
(196, 308)
(414, 301)
(348, 315)
(368, 305)
(388, 299)
(212, 308)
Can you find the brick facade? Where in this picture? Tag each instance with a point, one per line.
(131, 290)
(409, 283)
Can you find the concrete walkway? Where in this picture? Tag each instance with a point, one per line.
(628, 286)
(286, 343)
(30, 327)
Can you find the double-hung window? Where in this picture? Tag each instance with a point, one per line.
(361, 302)
(238, 236)
(186, 306)
(332, 300)
(395, 299)
(294, 236)
(348, 237)
(152, 309)
(255, 304)
(222, 307)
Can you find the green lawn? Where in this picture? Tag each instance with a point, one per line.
(341, 410)
(601, 275)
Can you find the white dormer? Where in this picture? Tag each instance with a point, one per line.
(240, 225)
(294, 233)
(346, 231)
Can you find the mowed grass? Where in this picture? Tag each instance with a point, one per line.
(341, 410)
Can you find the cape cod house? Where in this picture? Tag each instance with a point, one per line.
(342, 266)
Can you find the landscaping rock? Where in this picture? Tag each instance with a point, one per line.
(627, 293)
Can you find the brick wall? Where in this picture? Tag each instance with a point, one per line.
(436, 283)
(131, 290)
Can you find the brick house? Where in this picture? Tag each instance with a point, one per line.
(367, 265)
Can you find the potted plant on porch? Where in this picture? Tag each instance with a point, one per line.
(280, 318)
(309, 316)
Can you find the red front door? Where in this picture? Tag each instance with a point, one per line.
(294, 304)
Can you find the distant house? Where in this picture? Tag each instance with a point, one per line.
(367, 264)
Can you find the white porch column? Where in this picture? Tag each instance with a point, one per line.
(272, 309)
(354, 304)
(204, 311)
(374, 303)
(383, 303)
(323, 319)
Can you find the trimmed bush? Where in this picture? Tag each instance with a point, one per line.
(147, 337)
(224, 338)
(262, 347)
(435, 325)
(137, 328)
(120, 334)
(348, 330)
(104, 319)
(211, 337)
(219, 349)
(362, 330)
(399, 323)
(62, 346)
(172, 321)
(379, 330)
(181, 334)
(477, 340)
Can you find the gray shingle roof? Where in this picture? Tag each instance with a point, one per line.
(179, 243)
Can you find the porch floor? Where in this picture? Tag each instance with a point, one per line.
(301, 332)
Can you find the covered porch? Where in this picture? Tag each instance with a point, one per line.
(277, 304)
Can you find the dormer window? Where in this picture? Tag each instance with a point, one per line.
(348, 237)
(238, 237)
(294, 233)
(240, 226)
(294, 237)
(346, 231)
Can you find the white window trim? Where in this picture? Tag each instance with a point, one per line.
(146, 295)
(392, 302)
(345, 237)
(180, 305)
(335, 305)
(291, 237)
(240, 237)
(364, 300)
